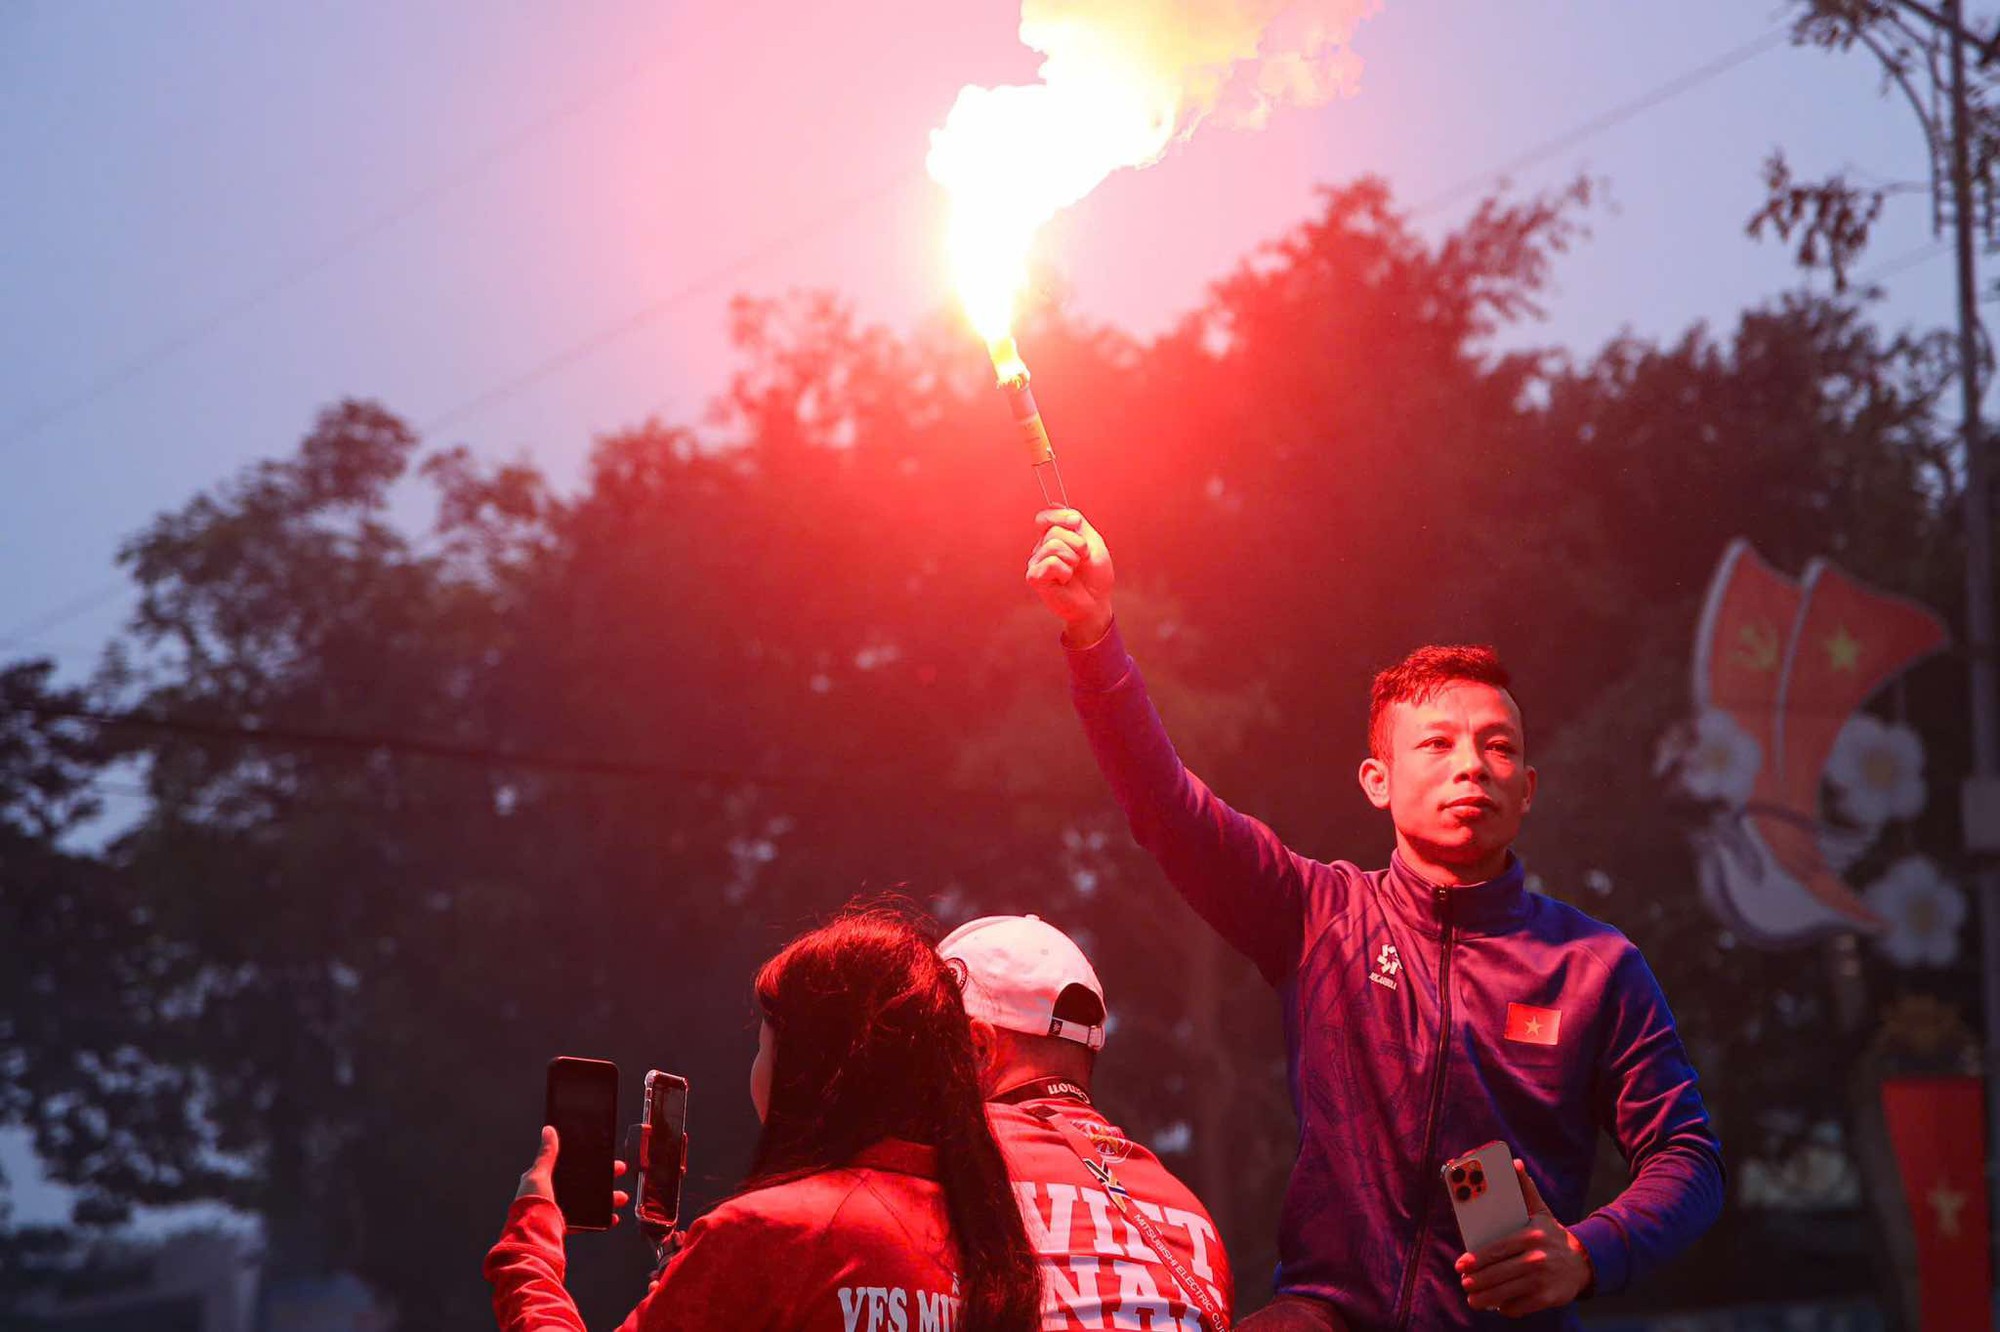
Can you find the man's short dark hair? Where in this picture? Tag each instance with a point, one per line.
(1419, 676)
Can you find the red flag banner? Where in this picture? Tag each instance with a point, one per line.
(1938, 1128)
(1739, 652)
(1771, 881)
(1850, 641)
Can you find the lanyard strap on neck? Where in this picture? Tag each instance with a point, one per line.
(1213, 1317)
(1042, 1089)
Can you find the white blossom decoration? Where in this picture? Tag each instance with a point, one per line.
(1877, 770)
(1924, 910)
(1715, 758)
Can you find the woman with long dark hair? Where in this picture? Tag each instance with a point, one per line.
(877, 1197)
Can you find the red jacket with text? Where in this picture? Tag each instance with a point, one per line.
(861, 1249)
(1097, 1270)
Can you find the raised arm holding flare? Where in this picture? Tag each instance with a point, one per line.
(1428, 1007)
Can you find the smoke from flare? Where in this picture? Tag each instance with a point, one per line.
(1120, 81)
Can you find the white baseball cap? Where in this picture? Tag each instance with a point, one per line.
(1016, 968)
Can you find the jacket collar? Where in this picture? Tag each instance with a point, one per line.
(1493, 907)
(899, 1156)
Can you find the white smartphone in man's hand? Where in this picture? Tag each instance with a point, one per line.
(1485, 1195)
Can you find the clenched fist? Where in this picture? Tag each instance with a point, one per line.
(1070, 569)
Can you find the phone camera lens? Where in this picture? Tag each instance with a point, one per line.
(1478, 1177)
(1457, 1174)
(1464, 1194)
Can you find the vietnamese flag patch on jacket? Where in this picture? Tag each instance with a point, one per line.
(1533, 1026)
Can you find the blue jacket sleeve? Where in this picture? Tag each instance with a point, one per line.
(1646, 1099)
(1231, 868)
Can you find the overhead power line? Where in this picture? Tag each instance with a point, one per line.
(319, 260)
(292, 737)
(852, 206)
(1586, 130)
(487, 756)
(842, 213)
(27, 631)
(651, 311)
(1923, 254)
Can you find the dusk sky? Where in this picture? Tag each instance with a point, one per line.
(518, 224)
(228, 215)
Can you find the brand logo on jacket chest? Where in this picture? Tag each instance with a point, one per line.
(1388, 965)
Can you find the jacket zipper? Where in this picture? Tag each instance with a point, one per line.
(1442, 897)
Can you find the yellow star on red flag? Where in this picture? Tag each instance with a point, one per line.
(1937, 1126)
(1947, 1202)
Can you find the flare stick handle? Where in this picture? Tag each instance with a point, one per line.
(1028, 420)
(1012, 373)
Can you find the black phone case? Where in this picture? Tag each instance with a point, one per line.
(582, 1104)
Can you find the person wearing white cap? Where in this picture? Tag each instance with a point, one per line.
(1116, 1232)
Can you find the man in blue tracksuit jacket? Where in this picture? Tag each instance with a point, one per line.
(1429, 1008)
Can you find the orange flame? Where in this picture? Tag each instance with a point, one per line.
(1011, 158)
(1121, 80)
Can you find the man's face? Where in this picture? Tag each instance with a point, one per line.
(1455, 781)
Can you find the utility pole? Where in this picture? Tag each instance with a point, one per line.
(1978, 801)
(1961, 192)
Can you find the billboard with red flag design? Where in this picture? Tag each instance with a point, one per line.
(1781, 671)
